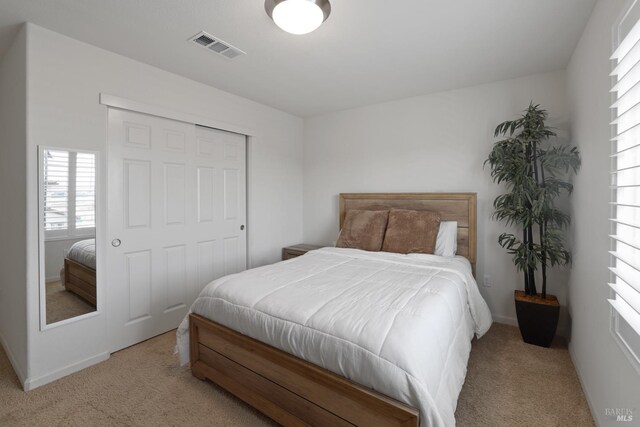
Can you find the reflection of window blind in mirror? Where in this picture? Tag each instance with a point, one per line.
(85, 202)
(56, 190)
(69, 193)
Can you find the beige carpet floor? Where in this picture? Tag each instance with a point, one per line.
(62, 304)
(509, 383)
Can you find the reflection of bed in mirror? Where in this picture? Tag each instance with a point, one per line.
(79, 273)
(70, 278)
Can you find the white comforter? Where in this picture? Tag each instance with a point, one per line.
(399, 324)
(84, 252)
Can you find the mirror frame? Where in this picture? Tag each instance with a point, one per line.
(41, 241)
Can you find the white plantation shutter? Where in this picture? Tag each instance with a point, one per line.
(85, 204)
(56, 190)
(625, 184)
(69, 194)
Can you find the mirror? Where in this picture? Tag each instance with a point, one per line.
(67, 234)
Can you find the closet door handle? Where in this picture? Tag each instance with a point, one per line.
(242, 227)
(116, 242)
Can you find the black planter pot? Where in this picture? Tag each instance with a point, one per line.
(537, 318)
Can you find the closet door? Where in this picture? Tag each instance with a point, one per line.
(176, 217)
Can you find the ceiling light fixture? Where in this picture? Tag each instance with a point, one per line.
(298, 16)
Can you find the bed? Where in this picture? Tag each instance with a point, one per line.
(344, 336)
(79, 272)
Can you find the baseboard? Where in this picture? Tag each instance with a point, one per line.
(32, 383)
(584, 389)
(505, 319)
(21, 376)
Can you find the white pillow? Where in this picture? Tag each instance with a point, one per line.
(447, 240)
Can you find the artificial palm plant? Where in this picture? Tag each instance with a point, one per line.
(535, 170)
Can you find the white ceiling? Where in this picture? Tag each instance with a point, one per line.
(368, 51)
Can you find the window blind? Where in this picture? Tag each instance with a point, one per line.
(69, 193)
(625, 180)
(56, 190)
(85, 205)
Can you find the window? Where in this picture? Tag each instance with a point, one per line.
(85, 205)
(56, 190)
(69, 194)
(625, 188)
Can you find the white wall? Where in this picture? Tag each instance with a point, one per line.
(65, 78)
(426, 144)
(13, 255)
(608, 378)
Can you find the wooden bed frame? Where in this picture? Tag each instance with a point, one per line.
(80, 279)
(294, 392)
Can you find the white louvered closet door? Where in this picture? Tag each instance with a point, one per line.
(176, 216)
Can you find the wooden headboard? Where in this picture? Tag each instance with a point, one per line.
(459, 207)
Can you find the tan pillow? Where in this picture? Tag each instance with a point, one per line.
(411, 231)
(363, 230)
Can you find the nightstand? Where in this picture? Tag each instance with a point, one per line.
(297, 250)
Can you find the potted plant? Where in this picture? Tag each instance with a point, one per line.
(535, 170)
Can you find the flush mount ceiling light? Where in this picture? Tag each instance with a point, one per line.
(298, 16)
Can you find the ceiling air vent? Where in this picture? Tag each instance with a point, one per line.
(216, 45)
(232, 53)
(203, 40)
